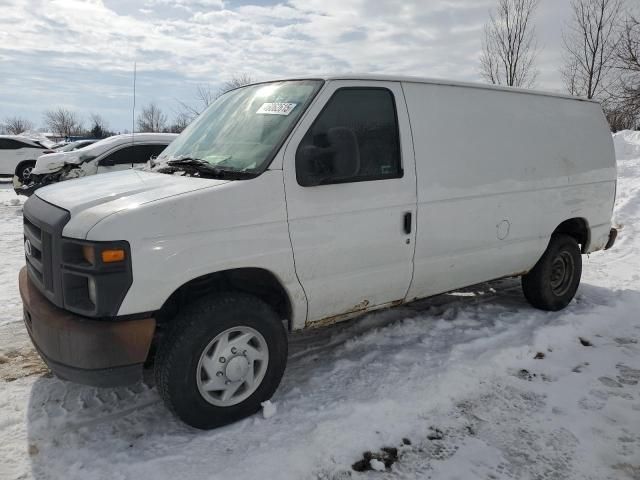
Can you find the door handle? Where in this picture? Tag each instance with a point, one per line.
(407, 223)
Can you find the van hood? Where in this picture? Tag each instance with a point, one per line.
(108, 193)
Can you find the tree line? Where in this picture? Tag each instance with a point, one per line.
(60, 121)
(601, 54)
(64, 122)
(153, 119)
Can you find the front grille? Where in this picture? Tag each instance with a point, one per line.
(38, 271)
(43, 224)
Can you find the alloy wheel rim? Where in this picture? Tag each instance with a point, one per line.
(232, 366)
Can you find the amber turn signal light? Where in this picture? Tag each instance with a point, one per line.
(111, 256)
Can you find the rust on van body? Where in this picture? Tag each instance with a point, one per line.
(357, 310)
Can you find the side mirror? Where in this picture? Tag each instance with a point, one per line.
(340, 160)
(308, 165)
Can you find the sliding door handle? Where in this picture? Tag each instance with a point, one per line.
(407, 223)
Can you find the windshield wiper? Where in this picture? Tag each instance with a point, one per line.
(197, 163)
(203, 168)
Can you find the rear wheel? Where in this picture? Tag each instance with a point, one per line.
(23, 172)
(221, 359)
(553, 282)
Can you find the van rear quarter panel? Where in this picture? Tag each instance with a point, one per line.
(497, 173)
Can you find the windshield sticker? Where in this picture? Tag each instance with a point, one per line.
(276, 108)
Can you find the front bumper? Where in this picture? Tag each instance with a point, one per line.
(93, 352)
(22, 189)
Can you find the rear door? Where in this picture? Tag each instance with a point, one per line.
(7, 154)
(12, 152)
(351, 199)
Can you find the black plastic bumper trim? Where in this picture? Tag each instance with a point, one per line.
(613, 234)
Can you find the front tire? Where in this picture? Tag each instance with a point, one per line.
(23, 172)
(221, 359)
(554, 280)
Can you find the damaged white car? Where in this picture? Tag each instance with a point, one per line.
(120, 152)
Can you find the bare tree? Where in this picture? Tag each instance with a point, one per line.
(629, 67)
(569, 72)
(99, 128)
(509, 48)
(63, 122)
(590, 46)
(234, 82)
(151, 119)
(16, 125)
(621, 116)
(205, 95)
(180, 122)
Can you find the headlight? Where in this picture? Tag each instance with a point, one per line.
(89, 254)
(95, 276)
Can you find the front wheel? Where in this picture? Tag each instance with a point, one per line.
(221, 359)
(23, 172)
(553, 281)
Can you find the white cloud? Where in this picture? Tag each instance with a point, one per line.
(210, 40)
(188, 4)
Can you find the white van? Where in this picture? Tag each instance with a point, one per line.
(300, 203)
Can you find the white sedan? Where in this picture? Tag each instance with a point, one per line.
(18, 154)
(119, 152)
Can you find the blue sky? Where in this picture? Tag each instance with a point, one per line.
(80, 54)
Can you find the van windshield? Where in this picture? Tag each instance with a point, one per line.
(241, 131)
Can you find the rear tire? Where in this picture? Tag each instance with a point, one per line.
(231, 344)
(553, 281)
(23, 172)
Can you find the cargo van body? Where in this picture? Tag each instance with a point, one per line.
(327, 198)
(499, 172)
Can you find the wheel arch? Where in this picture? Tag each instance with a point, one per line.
(260, 282)
(578, 228)
(23, 162)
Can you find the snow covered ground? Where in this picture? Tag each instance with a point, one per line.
(469, 385)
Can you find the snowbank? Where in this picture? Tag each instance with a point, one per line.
(627, 144)
(473, 384)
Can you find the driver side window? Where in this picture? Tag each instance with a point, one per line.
(355, 138)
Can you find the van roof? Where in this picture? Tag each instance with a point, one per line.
(439, 81)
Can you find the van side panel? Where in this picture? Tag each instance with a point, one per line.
(497, 173)
(240, 224)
